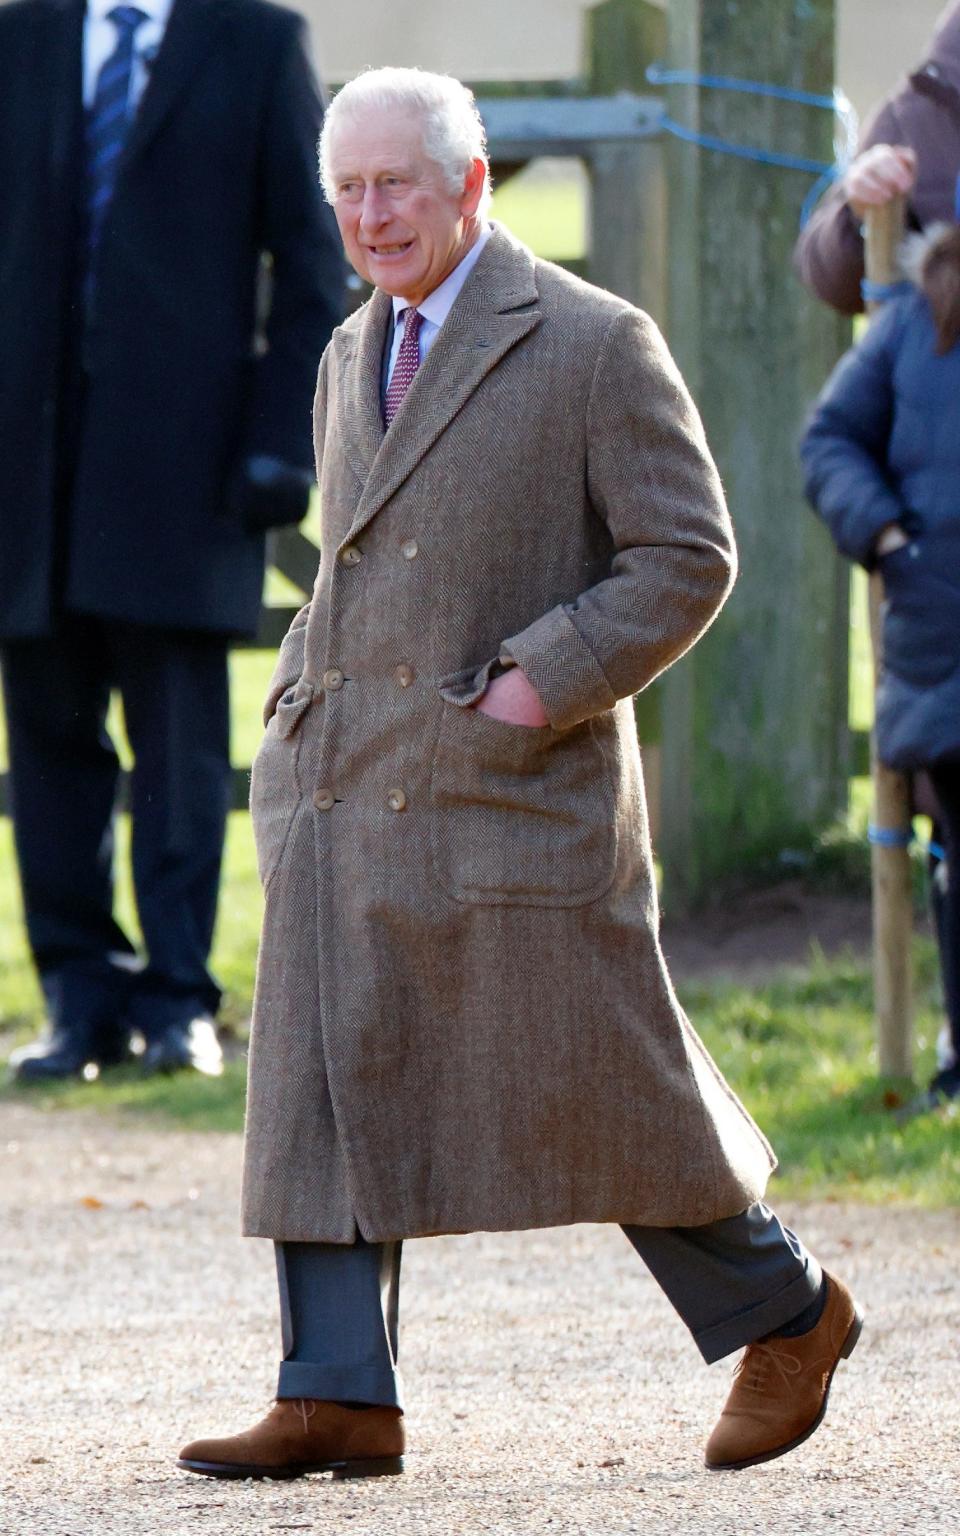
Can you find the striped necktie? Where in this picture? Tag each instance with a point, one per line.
(406, 365)
(107, 125)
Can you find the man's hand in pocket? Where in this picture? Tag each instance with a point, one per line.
(512, 699)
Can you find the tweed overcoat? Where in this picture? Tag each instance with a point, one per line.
(463, 1019)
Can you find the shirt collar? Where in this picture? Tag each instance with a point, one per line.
(156, 10)
(438, 304)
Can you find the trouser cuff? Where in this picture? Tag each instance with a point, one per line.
(756, 1322)
(341, 1383)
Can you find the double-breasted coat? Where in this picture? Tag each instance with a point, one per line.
(463, 1019)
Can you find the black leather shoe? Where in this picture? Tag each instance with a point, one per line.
(191, 1044)
(943, 1088)
(68, 1051)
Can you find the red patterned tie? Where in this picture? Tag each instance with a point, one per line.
(406, 365)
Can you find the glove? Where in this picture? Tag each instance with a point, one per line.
(269, 493)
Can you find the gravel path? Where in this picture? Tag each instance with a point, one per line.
(550, 1388)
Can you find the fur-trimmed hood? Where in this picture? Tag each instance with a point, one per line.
(937, 243)
(931, 260)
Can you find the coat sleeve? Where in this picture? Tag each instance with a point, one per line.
(652, 480)
(844, 447)
(298, 232)
(828, 256)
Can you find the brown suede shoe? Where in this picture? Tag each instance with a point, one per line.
(779, 1395)
(300, 1435)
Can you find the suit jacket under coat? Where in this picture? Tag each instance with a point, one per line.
(219, 167)
(463, 1019)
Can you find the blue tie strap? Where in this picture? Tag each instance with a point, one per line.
(881, 293)
(107, 125)
(889, 837)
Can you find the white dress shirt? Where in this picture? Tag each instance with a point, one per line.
(100, 40)
(437, 305)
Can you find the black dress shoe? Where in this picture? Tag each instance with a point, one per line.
(191, 1044)
(943, 1088)
(68, 1051)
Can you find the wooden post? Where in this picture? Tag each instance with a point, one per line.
(628, 236)
(755, 734)
(890, 866)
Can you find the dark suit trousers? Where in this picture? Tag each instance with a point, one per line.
(731, 1282)
(64, 773)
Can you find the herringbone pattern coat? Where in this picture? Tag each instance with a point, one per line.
(463, 1019)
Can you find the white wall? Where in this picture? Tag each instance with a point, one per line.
(878, 41)
(473, 39)
(543, 39)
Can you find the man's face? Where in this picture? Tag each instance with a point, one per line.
(403, 230)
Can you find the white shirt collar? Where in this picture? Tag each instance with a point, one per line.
(156, 10)
(438, 304)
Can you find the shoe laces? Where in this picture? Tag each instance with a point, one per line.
(756, 1362)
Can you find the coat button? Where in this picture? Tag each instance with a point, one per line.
(397, 800)
(404, 675)
(351, 555)
(410, 550)
(333, 679)
(324, 799)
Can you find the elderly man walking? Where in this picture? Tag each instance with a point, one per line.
(463, 1019)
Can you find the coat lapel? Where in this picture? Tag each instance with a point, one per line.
(494, 311)
(191, 32)
(361, 417)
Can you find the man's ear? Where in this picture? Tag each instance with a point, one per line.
(473, 188)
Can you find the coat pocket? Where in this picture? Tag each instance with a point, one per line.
(921, 616)
(275, 790)
(522, 816)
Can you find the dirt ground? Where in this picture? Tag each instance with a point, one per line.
(550, 1389)
(756, 932)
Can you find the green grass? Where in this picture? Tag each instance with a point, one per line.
(545, 207)
(800, 1052)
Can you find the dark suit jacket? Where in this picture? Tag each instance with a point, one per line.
(220, 167)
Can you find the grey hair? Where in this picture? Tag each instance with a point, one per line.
(453, 132)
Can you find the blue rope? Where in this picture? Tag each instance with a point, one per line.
(657, 75)
(889, 837)
(879, 293)
(894, 837)
(820, 186)
(836, 103)
(745, 151)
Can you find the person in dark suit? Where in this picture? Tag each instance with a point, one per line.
(159, 173)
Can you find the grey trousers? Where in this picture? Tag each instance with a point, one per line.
(731, 1282)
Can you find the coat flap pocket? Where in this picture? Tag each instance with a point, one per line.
(292, 706)
(465, 687)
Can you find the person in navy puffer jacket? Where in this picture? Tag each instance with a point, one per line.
(881, 456)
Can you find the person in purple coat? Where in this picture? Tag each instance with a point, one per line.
(910, 146)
